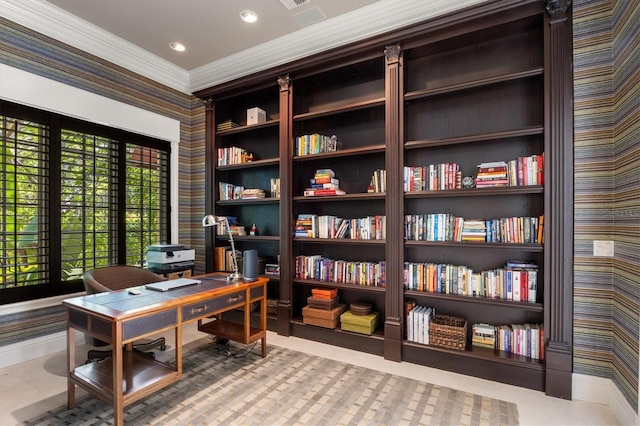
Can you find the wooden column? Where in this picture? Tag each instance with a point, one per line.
(210, 159)
(558, 228)
(286, 202)
(394, 210)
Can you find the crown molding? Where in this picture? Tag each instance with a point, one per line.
(377, 18)
(54, 22)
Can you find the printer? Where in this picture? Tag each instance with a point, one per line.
(170, 257)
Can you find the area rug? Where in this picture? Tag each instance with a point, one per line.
(221, 387)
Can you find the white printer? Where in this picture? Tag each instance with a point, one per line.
(170, 257)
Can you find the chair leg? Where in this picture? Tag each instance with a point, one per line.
(143, 348)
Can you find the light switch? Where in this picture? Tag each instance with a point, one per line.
(603, 248)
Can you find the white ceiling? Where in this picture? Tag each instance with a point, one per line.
(136, 34)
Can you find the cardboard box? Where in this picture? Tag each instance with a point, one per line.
(323, 317)
(256, 116)
(364, 324)
(314, 302)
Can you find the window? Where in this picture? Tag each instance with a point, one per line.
(75, 196)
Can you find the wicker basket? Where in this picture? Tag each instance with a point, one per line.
(448, 332)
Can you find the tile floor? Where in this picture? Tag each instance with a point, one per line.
(33, 387)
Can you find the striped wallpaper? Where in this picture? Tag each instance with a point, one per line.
(607, 190)
(607, 156)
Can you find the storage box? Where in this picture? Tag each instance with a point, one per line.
(364, 324)
(317, 303)
(448, 332)
(324, 293)
(256, 116)
(327, 318)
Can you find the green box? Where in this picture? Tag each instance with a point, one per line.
(364, 324)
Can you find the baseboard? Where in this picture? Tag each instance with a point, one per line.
(603, 391)
(35, 348)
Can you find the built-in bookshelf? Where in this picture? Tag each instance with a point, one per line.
(450, 131)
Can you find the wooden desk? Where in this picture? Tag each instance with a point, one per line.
(120, 318)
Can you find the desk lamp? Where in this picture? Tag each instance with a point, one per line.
(211, 220)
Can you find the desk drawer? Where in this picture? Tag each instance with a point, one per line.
(212, 306)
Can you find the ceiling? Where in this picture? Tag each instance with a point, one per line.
(210, 29)
(135, 34)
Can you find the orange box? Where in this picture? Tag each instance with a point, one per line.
(324, 293)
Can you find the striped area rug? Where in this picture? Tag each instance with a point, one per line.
(290, 388)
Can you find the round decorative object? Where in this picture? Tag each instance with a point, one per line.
(467, 182)
(360, 308)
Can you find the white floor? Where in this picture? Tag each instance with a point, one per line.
(33, 387)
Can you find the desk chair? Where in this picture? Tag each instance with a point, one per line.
(112, 278)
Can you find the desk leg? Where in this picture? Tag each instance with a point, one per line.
(263, 321)
(118, 377)
(71, 366)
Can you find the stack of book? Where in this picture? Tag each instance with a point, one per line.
(492, 174)
(227, 125)
(229, 191)
(274, 185)
(252, 194)
(474, 230)
(483, 335)
(306, 226)
(323, 183)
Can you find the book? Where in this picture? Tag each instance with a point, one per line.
(311, 192)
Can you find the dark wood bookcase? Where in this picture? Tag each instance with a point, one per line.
(488, 83)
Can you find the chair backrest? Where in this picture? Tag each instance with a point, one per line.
(111, 278)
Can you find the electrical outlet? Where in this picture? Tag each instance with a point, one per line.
(603, 248)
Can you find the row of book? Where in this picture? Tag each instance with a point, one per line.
(418, 320)
(317, 267)
(447, 227)
(433, 177)
(517, 281)
(520, 339)
(309, 225)
(521, 171)
(378, 181)
(229, 191)
(233, 155)
(315, 144)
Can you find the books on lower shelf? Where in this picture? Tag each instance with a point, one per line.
(521, 171)
(233, 155)
(433, 177)
(315, 144)
(317, 267)
(447, 227)
(516, 281)
(329, 226)
(520, 339)
(418, 320)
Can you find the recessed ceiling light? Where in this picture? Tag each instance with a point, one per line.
(249, 16)
(178, 47)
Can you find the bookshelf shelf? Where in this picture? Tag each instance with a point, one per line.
(248, 201)
(421, 94)
(373, 149)
(245, 128)
(252, 238)
(331, 284)
(474, 138)
(525, 306)
(346, 197)
(531, 248)
(346, 241)
(326, 111)
(485, 85)
(251, 164)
